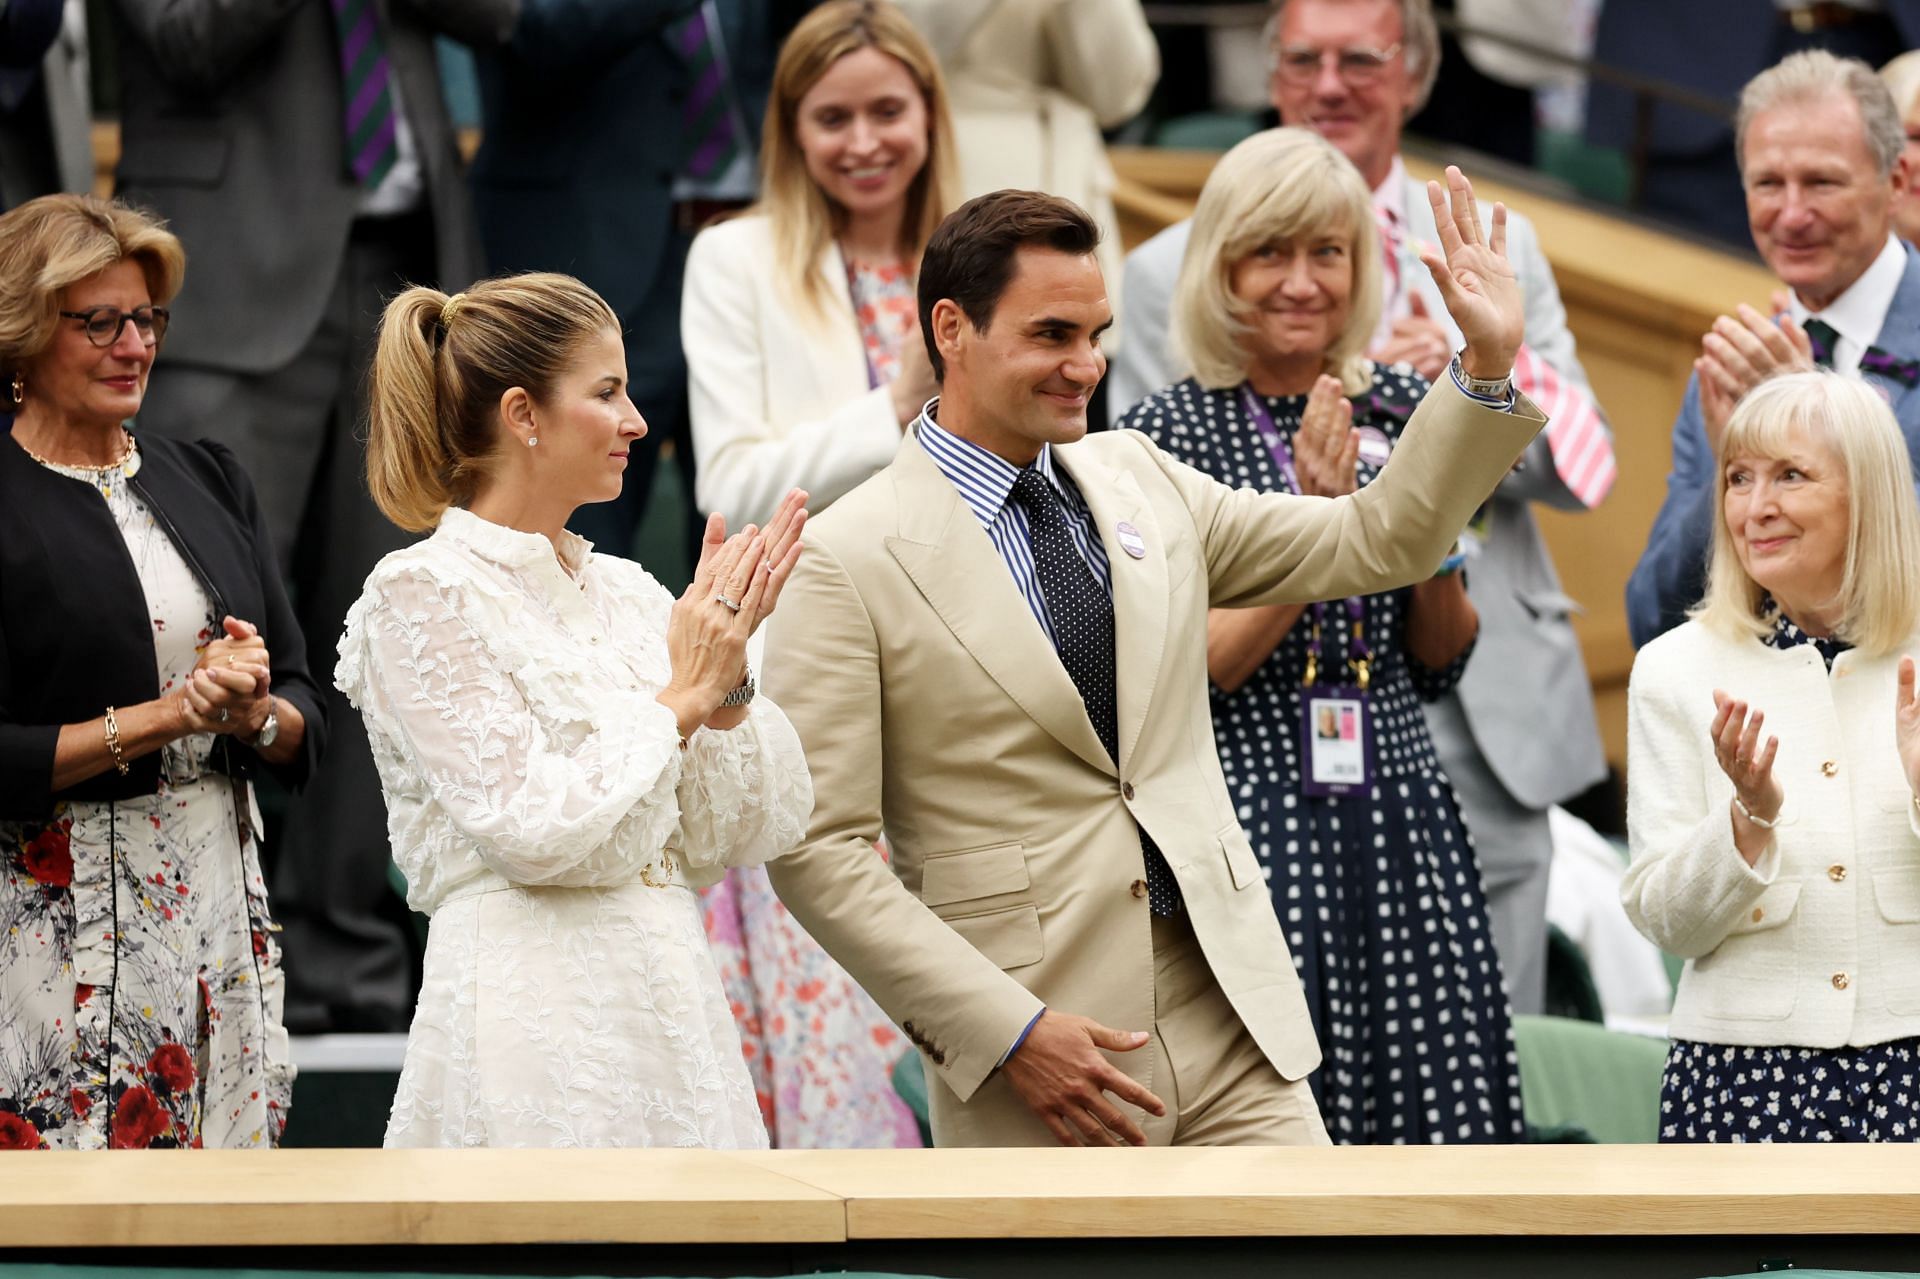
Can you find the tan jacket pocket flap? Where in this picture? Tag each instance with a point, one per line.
(1897, 890)
(1774, 908)
(1241, 862)
(1010, 938)
(973, 873)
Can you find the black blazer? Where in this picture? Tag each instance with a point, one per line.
(75, 637)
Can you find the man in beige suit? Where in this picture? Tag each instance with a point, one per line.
(996, 647)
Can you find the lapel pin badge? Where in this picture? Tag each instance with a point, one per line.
(1130, 540)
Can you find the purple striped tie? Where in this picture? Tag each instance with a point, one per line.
(707, 118)
(366, 81)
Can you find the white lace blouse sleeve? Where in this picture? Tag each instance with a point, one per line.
(745, 794)
(581, 794)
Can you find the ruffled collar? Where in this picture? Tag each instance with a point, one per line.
(1785, 635)
(510, 546)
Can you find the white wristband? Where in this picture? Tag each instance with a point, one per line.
(1764, 823)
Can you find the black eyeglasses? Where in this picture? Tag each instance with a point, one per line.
(104, 323)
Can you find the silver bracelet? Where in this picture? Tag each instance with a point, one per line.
(1764, 823)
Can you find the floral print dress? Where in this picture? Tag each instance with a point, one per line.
(140, 985)
(820, 1051)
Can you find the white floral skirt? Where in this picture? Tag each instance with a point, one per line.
(573, 1017)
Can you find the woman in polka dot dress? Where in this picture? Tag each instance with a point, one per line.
(1375, 881)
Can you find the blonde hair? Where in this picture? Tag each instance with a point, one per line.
(1283, 184)
(804, 220)
(1902, 78)
(1879, 593)
(54, 242)
(439, 371)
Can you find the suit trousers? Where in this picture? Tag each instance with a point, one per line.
(1218, 1086)
(1514, 846)
(300, 431)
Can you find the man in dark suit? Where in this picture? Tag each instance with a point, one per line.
(44, 140)
(301, 151)
(1821, 155)
(658, 131)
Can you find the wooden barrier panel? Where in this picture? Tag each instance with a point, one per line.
(1638, 301)
(289, 1198)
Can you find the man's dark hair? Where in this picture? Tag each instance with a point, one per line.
(970, 257)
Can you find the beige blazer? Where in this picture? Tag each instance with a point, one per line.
(928, 697)
(776, 398)
(1818, 944)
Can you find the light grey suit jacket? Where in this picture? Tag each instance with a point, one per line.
(1526, 683)
(231, 130)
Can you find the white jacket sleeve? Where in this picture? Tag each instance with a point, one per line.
(745, 795)
(592, 804)
(746, 458)
(1688, 885)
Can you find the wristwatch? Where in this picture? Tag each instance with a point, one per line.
(743, 694)
(1492, 388)
(268, 731)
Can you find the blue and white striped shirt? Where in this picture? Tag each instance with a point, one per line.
(985, 481)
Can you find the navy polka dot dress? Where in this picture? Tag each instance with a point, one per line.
(1379, 893)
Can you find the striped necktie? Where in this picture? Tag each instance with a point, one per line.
(707, 119)
(1577, 438)
(366, 81)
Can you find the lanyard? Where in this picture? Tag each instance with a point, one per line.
(1359, 655)
(853, 295)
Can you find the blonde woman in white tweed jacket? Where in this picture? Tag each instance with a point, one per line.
(1774, 753)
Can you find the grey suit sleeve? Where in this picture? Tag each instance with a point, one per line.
(1671, 574)
(562, 36)
(1142, 364)
(200, 45)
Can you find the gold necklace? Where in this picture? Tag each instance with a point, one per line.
(126, 452)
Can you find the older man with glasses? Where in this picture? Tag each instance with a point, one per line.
(1354, 71)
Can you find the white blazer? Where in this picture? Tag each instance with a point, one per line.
(1818, 944)
(777, 398)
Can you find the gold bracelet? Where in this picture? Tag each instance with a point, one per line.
(113, 743)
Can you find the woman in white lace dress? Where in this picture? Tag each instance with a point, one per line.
(566, 750)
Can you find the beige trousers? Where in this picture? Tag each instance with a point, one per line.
(1219, 1088)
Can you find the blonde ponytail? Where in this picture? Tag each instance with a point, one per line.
(440, 370)
(409, 459)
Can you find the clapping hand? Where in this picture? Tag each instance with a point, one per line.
(1906, 724)
(735, 586)
(1747, 764)
(1475, 278)
(1326, 448)
(1418, 339)
(227, 692)
(1738, 353)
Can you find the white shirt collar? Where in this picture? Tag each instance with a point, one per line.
(1858, 314)
(510, 546)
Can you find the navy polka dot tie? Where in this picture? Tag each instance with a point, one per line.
(1082, 614)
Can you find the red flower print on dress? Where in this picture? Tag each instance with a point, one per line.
(17, 1132)
(138, 1119)
(81, 1103)
(49, 858)
(81, 994)
(170, 1068)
